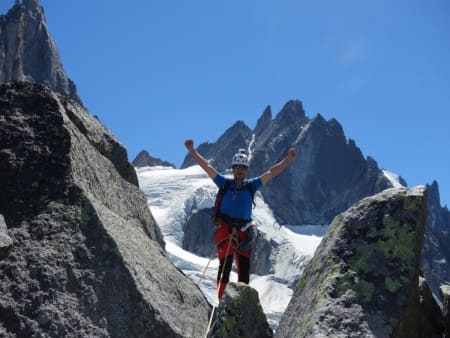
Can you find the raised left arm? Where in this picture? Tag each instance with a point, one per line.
(276, 169)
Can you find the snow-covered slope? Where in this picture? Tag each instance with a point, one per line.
(393, 178)
(174, 194)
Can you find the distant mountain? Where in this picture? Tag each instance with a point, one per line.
(28, 52)
(143, 159)
(219, 153)
(438, 217)
(329, 174)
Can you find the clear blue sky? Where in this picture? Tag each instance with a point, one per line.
(157, 72)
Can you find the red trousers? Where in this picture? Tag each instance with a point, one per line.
(227, 242)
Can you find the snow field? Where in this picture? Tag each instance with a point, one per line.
(173, 194)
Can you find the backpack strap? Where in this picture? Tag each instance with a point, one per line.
(248, 186)
(219, 197)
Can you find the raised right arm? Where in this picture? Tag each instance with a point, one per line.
(204, 164)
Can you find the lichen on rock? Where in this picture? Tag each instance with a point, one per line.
(363, 278)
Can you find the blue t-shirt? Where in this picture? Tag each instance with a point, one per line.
(237, 203)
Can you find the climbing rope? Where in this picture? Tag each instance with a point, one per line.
(218, 286)
(206, 268)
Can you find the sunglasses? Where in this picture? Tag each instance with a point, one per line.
(240, 166)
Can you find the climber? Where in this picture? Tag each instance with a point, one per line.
(234, 233)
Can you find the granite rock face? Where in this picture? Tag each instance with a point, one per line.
(87, 258)
(5, 240)
(28, 52)
(199, 232)
(329, 175)
(363, 279)
(240, 315)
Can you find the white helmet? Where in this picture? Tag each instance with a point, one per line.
(240, 158)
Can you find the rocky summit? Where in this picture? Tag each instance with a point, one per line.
(363, 280)
(28, 52)
(81, 254)
(143, 159)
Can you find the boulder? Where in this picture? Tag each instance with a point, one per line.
(363, 279)
(88, 259)
(240, 315)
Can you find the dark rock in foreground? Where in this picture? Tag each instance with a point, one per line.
(87, 258)
(363, 279)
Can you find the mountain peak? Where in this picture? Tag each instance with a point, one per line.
(143, 159)
(332, 127)
(319, 117)
(30, 3)
(292, 111)
(28, 50)
(238, 128)
(264, 120)
(433, 193)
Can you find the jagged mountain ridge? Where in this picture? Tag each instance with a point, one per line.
(28, 52)
(220, 152)
(329, 174)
